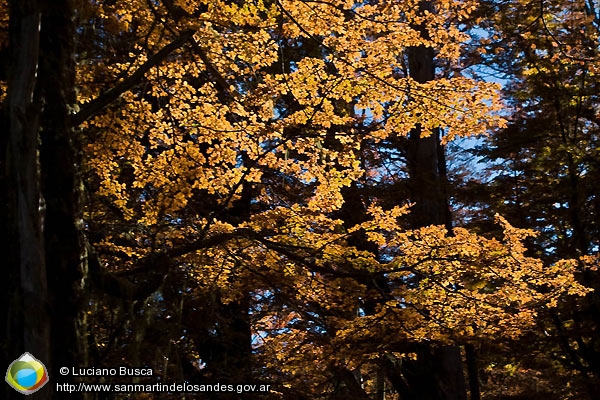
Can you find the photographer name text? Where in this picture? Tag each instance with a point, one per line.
(118, 371)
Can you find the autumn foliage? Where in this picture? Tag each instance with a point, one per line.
(221, 144)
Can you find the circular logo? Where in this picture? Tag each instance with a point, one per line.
(26, 374)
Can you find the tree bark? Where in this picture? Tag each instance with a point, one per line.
(25, 291)
(438, 372)
(40, 192)
(471, 357)
(66, 257)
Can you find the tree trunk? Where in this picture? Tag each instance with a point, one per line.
(40, 193)
(66, 258)
(472, 368)
(26, 304)
(438, 372)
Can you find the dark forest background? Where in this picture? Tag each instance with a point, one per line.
(213, 289)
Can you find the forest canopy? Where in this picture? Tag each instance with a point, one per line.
(275, 192)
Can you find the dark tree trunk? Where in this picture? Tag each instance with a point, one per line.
(438, 372)
(472, 368)
(66, 259)
(40, 192)
(26, 322)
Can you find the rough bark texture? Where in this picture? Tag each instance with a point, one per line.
(40, 193)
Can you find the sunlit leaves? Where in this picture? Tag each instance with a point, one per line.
(232, 154)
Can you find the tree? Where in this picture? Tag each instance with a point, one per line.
(541, 167)
(21, 215)
(41, 208)
(234, 160)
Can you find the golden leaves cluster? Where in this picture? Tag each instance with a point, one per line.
(180, 108)
(276, 98)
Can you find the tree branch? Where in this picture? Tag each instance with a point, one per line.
(99, 103)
